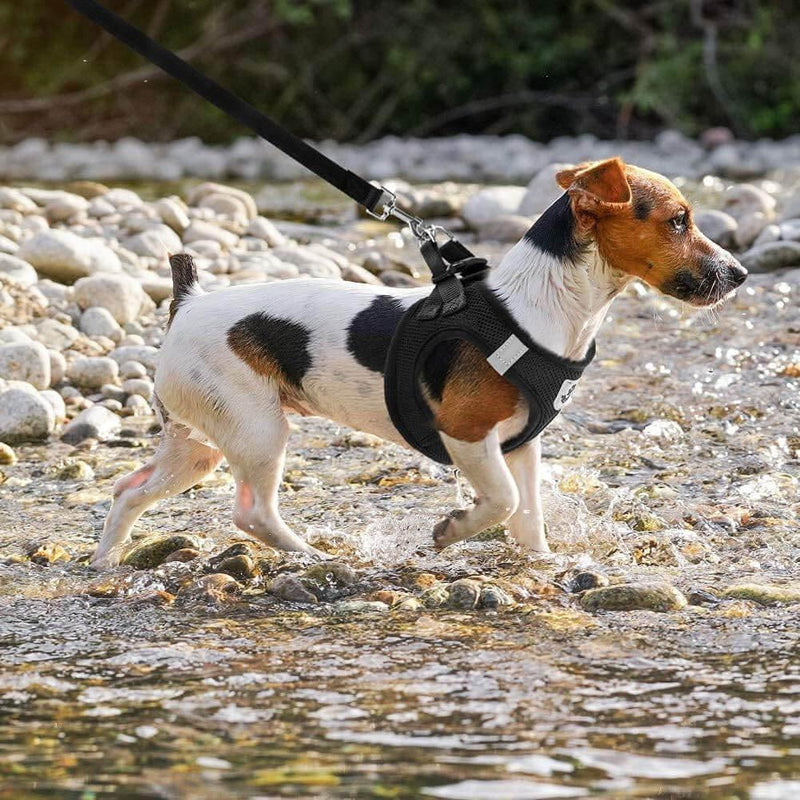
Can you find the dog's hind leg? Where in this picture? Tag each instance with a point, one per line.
(497, 497)
(177, 465)
(527, 523)
(257, 460)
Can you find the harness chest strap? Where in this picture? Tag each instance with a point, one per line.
(546, 381)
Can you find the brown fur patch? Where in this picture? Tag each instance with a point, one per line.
(475, 397)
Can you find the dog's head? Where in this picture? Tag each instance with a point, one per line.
(643, 227)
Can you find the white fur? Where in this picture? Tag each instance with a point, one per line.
(213, 396)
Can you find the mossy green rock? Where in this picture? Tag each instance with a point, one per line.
(634, 597)
(151, 552)
(765, 594)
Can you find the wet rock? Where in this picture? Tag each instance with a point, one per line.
(121, 295)
(494, 201)
(50, 553)
(359, 607)
(764, 594)
(700, 597)
(93, 372)
(215, 588)
(634, 596)
(772, 256)
(588, 579)
(25, 361)
(152, 552)
(95, 422)
(65, 257)
(17, 271)
(408, 603)
(75, 470)
(25, 416)
(240, 567)
(183, 556)
(329, 580)
(493, 597)
(664, 431)
(289, 587)
(717, 225)
(7, 454)
(463, 594)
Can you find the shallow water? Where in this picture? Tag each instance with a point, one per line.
(134, 695)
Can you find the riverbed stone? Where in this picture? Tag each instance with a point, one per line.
(463, 594)
(588, 579)
(542, 190)
(717, 225)
(772, 256)
(56, 335)
(200, 230)
(490, 203)
(25, 416)
(155, 242)
(152, 552)
(98, 321)
(744, 198)
(329, 580)
(65, 257)
(65, 206)
(749, 227)
(95, 422)
(492, 597)
(7, 455)
(216, 589)
(288, 586)
(17, 271)
(655, 596)
(93, 372)
(57, 403)
(241, 567)
(765, 594)
(25, 361)
(505, 228)
(121, 295)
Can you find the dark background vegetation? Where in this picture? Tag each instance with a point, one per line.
(358, 69)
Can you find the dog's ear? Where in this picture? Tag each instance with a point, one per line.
(597, 189)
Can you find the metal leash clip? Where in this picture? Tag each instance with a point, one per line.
(421, 230)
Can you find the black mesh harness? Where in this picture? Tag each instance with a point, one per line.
(462, 307)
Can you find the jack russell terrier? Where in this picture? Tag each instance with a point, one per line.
(236, 360)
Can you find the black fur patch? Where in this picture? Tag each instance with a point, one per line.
(642, 206)
(284, 342)
(370, 332)
(684, 286)
(554, 231)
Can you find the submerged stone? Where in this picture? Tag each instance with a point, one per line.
(634, 597)
(50, 553)
(215, 588)
(329, 580)
(289, 587)
(464, 594)
(764, 594)
(494, 597)
(435, 597)
(588, 580)
(359, 606)
(184, 555)
(153, 551)
(7, 454)
(240, 567)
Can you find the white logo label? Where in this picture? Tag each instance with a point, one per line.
(564, 394)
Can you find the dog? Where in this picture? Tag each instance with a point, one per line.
(235, 361)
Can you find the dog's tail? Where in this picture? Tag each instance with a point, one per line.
(184, 281)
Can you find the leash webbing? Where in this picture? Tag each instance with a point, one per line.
(348, 182)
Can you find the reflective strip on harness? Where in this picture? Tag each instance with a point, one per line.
(507, 354)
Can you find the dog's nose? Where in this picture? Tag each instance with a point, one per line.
(738, 273)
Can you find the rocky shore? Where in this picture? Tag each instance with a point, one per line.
(462, 158)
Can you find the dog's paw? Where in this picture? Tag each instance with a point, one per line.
(104, 562)
(444, 534)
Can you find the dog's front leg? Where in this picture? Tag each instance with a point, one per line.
(496, 498)
(527, 523)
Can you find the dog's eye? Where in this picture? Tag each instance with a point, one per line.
(678, 222)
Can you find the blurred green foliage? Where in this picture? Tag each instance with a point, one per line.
(354, 70)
